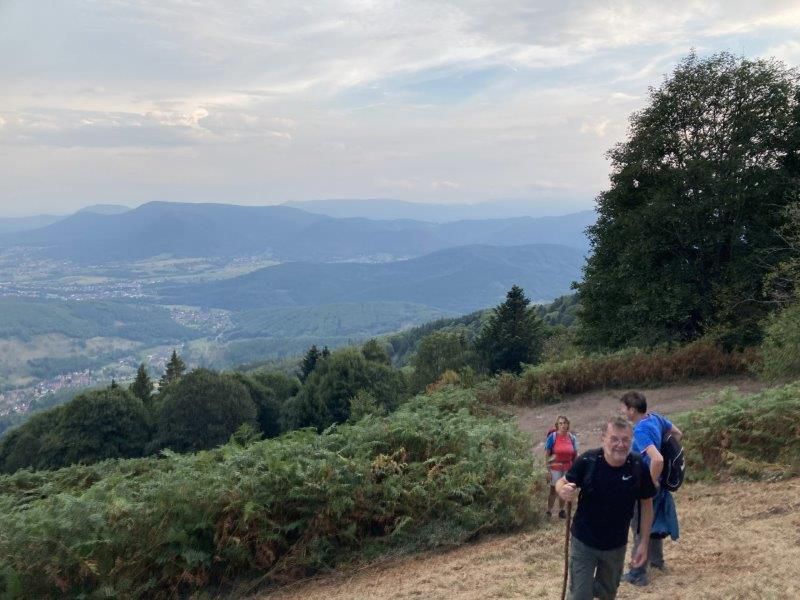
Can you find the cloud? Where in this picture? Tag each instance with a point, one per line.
(597, 128)
(200, 99)
(445, 185)
(789, 52)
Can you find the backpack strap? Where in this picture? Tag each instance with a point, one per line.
(588, 474)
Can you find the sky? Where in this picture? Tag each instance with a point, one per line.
(246, 102)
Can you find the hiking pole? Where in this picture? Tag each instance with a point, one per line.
(566, 551)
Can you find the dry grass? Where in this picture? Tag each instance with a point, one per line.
(739, 541)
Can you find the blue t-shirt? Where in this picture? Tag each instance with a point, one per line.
(649, 431)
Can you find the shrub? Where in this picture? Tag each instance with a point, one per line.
(754, 436)
(438, 471)
(781, 347)
(549, 382)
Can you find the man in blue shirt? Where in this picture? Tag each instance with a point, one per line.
(648, 430)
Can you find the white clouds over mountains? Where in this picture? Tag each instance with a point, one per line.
(275, 100)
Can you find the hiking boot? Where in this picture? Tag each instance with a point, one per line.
(562, 514)
(637, 579)
(548, 513)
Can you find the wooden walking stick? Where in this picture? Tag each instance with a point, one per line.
(566, 551)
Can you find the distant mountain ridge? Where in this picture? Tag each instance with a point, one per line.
(14, 224)
(387, 208)
(458, 279)
(285, 233)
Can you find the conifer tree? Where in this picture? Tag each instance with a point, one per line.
(175, 369)
(309, 362)
(513, 334)
(142, 386)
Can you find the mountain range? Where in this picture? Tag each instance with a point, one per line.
(282, 232)
(386, 208)
(460, 279)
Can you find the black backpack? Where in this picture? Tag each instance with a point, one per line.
(674, 463)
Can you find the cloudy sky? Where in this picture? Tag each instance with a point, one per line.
(127, 101)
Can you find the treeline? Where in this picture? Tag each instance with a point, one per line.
(202, 409)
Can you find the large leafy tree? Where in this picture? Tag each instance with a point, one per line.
(688, 228)
(327, 393)
(94, 426)
(441, 351)
(201, 410)
(513, 334)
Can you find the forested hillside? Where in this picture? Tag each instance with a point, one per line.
(457, 280)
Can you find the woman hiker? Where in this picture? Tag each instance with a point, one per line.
(560, 449)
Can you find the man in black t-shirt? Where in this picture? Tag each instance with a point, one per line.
(611, 480)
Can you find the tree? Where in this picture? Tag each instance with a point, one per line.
(439, 352)
(373, 351)
(309, 362)
(174, 371)
(688, 229)
(142, 386)
(93, 426)
(326, 395)
(513, 334)
(105, 424)
(265, 400)
(202, 410)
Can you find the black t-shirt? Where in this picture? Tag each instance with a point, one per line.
(605, 507)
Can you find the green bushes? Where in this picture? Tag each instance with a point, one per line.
(97, 425)
(781, 346)
(548, 382)
(754, 436)
(438, 471)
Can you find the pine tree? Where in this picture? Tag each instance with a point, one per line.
(513, 335)
(175, 369)
(142, 386)
(114, 384)
(309, 362)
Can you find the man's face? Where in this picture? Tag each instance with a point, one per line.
(616, 444)
(628, 413)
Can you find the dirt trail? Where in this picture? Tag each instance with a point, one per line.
(587, 412)
(738, 541)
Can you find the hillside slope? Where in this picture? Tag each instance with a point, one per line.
(738, 540)
(459, 279)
